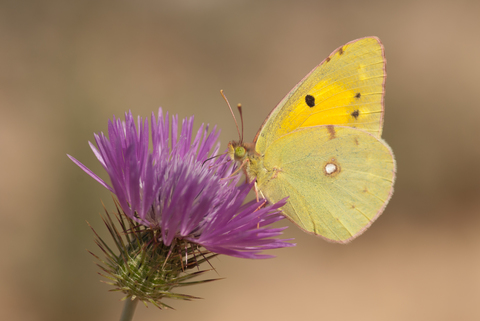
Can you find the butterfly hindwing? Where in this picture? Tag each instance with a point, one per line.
(337, 183)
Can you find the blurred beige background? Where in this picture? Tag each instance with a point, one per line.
(67, 66)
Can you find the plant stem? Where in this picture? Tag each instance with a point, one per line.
(128, 310)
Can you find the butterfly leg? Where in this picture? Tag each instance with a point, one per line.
(237, 170)
(257, 191)
(264, 201)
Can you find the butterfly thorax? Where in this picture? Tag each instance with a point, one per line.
(247, 157)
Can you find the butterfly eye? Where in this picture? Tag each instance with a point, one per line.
(240, 152)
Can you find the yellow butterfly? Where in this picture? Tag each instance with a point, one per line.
(322, 147)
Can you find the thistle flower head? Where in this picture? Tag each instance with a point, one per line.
(174, 188)
(178, 200)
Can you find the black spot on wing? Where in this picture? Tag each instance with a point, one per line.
(310, 100)
(355, 114)
(358, 95)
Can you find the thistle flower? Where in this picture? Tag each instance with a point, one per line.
(177, 199)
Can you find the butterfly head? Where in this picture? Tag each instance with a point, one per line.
(236, 151)
(239, 151)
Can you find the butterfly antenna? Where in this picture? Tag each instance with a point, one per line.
(233, 115)
(239, 106)
(212, 158)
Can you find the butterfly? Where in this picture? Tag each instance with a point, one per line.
(322, 148)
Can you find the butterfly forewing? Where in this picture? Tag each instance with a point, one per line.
(346, 89)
